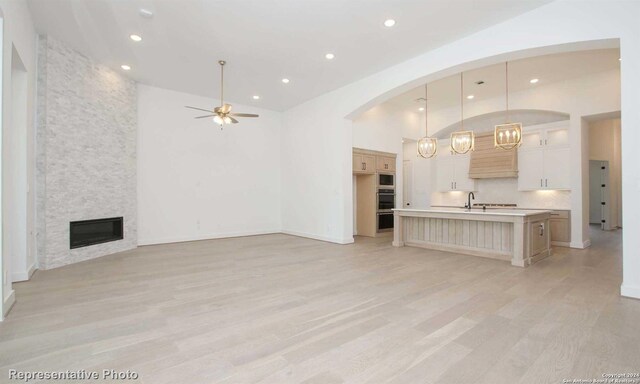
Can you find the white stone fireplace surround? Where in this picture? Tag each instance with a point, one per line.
(86, 153)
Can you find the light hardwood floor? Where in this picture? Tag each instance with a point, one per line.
(283, 309)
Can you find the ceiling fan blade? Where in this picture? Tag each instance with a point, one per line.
(244, 115)
(199, 109)
(234, 121)
(202, 117)
(225, 108)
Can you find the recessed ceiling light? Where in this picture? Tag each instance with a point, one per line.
(330, 56)
(421, 109)
(533, 81)
(135, 38)
(389, 23)
(256, 97)
(620, 59)
(470, 97)
(125, 67)
(285, 80)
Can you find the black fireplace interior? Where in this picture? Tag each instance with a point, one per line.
(89, 232)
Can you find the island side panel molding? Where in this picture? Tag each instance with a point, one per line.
(519, 244)
(398, 230)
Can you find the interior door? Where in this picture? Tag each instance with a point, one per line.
(599, 193)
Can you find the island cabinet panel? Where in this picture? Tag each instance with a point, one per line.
(494, 237)
(521, 237)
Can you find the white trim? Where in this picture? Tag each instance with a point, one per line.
(166, 240)
(630, 291)
(23, 275)
(7, 304)
(583, 245)
(348, 240)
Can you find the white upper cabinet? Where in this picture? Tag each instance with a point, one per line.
(452, 170)
(543, 158)
(556, 168)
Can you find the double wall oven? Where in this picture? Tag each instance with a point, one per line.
(386, 202)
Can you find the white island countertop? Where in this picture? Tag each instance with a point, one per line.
(478, 211)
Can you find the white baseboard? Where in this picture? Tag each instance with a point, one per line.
(583, 245)
(17, 277)
(335, 240)
(630, 291)
(181, 239)
(7, 304)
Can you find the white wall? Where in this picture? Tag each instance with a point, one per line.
(382, 128)
(18, 32)
(541, 31)
(196, 181)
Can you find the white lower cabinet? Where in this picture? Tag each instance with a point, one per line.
(452, 174)
(540, 169)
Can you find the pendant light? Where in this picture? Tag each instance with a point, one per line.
(462, 141)
(427, 146)
(509, 135)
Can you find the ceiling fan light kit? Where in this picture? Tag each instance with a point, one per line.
(427, 146)
(509, 135)
(222, 115)
(462, 141)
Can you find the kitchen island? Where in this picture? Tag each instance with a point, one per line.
(518, 236)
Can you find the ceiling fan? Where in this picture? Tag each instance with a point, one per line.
(222, 115)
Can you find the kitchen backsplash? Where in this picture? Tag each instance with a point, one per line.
(506, 191)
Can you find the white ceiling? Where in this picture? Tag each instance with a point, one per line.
(445, 93)
(263, 40)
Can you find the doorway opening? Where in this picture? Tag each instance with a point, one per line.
(15, 195)
(605, 175)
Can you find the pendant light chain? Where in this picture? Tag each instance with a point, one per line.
(221, 83)
(426, 108)
(506, 74)
(461, 101)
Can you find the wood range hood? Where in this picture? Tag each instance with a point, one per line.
(488, 162)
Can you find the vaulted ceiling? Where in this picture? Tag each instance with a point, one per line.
(263, 41)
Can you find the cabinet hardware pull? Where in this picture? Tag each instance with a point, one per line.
(545, 182)
(541, 182)
(364, 166)
(540, 141)
(545, 141)
(541, 229)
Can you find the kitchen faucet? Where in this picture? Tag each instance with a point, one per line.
(469, 197)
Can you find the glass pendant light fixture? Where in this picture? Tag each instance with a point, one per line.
(462, 141)
(509, 135)
(427, 146)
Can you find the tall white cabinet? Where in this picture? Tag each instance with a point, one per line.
(543, 159)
